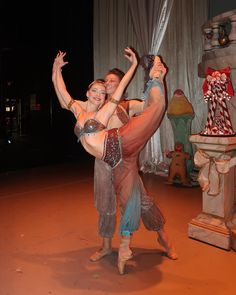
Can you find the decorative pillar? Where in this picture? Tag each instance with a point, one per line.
(207, 38)
(214, 40)
(216, 144)
(232, 35)
(216, 158)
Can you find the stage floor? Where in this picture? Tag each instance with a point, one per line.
(48, 230)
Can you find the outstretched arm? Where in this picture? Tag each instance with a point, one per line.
(65, 100)
(58, 81)
(108, 109)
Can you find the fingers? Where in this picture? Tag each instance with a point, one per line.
(60, 54)
(129, 51)
(130, 55)
(59, 60)
(161, 67)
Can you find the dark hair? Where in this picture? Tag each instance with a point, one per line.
(147, 61)
(99, 81)
(115, 71)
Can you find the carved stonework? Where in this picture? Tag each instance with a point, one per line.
(210, 230)
(215, 37)
(207, 38)
(232, 35)
(216, 158)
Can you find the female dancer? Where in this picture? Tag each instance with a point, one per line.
(105, 198)
(118, 147)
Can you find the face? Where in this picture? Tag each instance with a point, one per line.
(156, 69)
(111, 82)
(178, 147)
(96, 94)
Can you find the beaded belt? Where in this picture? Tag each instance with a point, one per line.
(112, 151)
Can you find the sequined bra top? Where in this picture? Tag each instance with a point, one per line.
(90, 126)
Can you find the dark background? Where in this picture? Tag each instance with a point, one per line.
(31, 33)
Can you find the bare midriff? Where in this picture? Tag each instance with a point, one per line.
(94, 143)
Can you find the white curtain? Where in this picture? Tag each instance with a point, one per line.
(113, 31)
(181, 49)
(150, 20)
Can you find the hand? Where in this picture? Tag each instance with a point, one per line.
(131, 55)
(59, 61)
(159, 71)
(162, 68)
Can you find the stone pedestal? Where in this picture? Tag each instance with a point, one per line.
(233, 233)
(218, 208)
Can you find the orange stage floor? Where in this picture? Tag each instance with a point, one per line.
(48, 230)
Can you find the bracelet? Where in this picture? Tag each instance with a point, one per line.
(70, 103)
(114, 100)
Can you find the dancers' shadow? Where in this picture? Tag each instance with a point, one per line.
(74, 270)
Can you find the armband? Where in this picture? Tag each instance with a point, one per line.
(70, 104)
(114, 101)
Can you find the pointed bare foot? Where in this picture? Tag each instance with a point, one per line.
(121, 263)
(171, 253)
(100, 254)
(121, 266)
(170, 250)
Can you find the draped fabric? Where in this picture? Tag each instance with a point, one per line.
(150, 20)
(122, 23)
(182, 50)
(161, 23)
(113, 31)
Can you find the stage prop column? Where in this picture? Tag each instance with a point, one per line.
(216, 158)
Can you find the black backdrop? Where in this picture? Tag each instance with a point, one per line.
(31, 33)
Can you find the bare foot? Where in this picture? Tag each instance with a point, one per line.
(165, 243)
(124, 254)
(122, 261)
(100, 254)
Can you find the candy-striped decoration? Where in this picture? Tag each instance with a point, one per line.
(216, 93)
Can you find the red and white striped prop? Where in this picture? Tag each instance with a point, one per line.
(217, 87)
